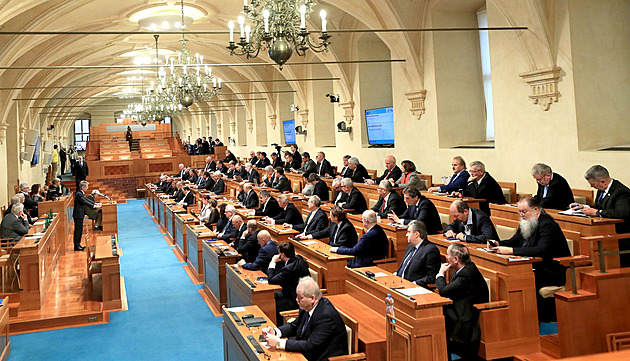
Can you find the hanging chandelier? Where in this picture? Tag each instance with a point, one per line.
(279, 28)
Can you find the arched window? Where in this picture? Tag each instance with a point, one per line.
(81, 133)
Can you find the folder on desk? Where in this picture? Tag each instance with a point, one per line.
(252, 320)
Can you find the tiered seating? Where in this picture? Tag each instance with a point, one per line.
(114, 150)
(109, 191)
(155, 148)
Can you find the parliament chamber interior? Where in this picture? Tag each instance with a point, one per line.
(315, 180)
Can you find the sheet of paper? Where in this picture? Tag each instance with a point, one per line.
(235, 309)
(309, 242)
(38, 223)
(571, 212)
(380, 274)
(414, 291)
(31, 237)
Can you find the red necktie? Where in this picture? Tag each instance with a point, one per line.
(383, 206)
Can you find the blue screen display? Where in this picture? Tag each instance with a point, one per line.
(289, 131)
(38, 145)
(380, 125)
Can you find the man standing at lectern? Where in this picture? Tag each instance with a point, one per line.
(81, 201)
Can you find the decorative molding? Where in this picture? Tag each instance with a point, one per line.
(219, 130)
(233, 126)
(250, 125)
(3, 132)
(544, 84)
(348, 108)
(304, 114)
(272, 119)
(417, 102)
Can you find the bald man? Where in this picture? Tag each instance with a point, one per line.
(392, 171)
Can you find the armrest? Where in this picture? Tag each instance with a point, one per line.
(288, 314)
(491, 305)
(579, 260)
(385, 260)
(353, 357)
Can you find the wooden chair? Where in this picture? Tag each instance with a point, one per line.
(583, 196)
(6, 248)
(389, 263)
(618, 341)
(509, 191)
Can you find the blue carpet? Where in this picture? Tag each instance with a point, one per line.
(548, 328)
(167, 318)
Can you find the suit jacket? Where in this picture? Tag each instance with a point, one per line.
(318, 221)
(229, 231)
(81, 201)
(287, 277)
(179, 195)
(248, 247)
(360, 174)
(559, 194)
(458, 181)
(222, 222)
(230, 158)
(208, 184)
(224, 169)
(240, 231)
(488, 189)
(200, 183)
(337, 199)
(219, 186)
(262, 163)
(251, 200)
(426, 212)
(242, 173)
(356, 201)
(253, 176)
(424, 264)
(466, 288)
(29, 203)
(81, 172)
(341, 234)
(321, 190)
(324, 336)
(395, 173)
(324, 167)
(269, 209)
(268, 181)
(289, 215)
(616, 204)
(482, 228)
(394, 204)
(188, 199)
(265, 253)
(546, 242)
(282, 184)
(13, 227)
(210, 167)
(372, 246)
(180, 174)
(345, 172)
(277, 163)
(308, 168)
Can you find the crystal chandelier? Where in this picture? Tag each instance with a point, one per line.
(279, 27)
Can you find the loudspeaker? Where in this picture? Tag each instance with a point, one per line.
(30, 137)
(27, 154)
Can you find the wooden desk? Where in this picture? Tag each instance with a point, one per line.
(181, 220)
(110, 218)
(163, 202)
(110, 268)
(331, 267)
(5, 343)
(240, 293)
(60, 206)
(195, 235)
(214, 271)
(169, 218)
(443, 203)
(237, 347)
(364, 302)
(511, 330)
(585, 226)
(278, 234)
(38, 261)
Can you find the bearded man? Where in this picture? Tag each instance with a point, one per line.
(538, 235)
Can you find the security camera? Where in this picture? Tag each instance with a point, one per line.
(332, 97)
(343, 128)
(298, 130)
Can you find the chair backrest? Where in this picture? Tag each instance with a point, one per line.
(372, 202)
(426, 179)
(583, 196)
(618, 341)
(509, 191)
(505, 232)
(488, 283)
(352, 332)
(573, 241)
(445, 219)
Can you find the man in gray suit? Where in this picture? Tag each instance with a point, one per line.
(15, 224)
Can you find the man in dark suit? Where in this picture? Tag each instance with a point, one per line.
(291, 164)
(268, 249)
(211, 165)
(229, 231)
(269, 177)
(218, 143)
(538, 235)
(30, 205)
(345, 171)
(419, 208)
(252, 157)
(221, 167)
(269, 205)
(14, 224)
(201, 180)
(355, 201)
(160, 184)
(466, 288)
(553, 190)
(229, 157)
(263, 161)
(612, 201)
(316, 219)
(340, 233)
(181, 171)
(282, 183)
(324, 169)
(392, 171)
(318, 330)
(288, 214)
(80, 202)
(205, 146)
(308, 165)
(481, 185)
(372, 245)
(62, 160)
(421, 261)
(296, 155)
(458, 181)
(320, 188)
(287, 276)
(358, 172)
(252, 175)
(81, 171)
(219, 185)
(251, 198)
(247, 245)
(388, 201)
(276, 161)
(470, 225)
(187, 199)
(240, 171)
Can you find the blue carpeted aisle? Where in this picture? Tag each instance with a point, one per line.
(167, 318)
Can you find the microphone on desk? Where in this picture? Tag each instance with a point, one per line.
(100, 194)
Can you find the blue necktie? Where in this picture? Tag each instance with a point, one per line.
(307, 319)
(406, 262)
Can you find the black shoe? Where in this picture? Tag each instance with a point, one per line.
(98, 228)
(79, 248)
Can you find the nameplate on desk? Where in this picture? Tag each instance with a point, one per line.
(414, 291)
(205, 234)
(308, 242)
(38, 223)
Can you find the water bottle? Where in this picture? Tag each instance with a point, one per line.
(389, 305)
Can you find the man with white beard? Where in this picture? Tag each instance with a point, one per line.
(538, 235)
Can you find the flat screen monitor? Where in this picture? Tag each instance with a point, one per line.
(380, 125)
(38, 146)
(289, 131)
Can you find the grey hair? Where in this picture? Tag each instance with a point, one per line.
(354, 160)
(370, 216)
(336, 182)
(269, 168)
(597, 172)
(217, 173)
(418, 226)
(264, 193)
(230, 208)
(541, 169)
(15, 199)
(83, 184)
(347, 182)
(23, 185)
(17, 208)
(386, 184)
(310, 288)
(479, 164)
(283, 198)
(247, 186)
(315, 200)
